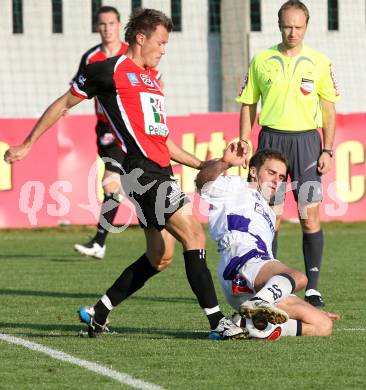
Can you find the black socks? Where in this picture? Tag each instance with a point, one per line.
(107, 215)
(313, 250)
(131, 280)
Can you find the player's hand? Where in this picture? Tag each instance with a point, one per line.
(16, 153)
(324, 163)
(236, 154)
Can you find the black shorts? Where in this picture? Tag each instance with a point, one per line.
(108, 148)
(153, 190)
(302, 150)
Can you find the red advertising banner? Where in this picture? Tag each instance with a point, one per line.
(59, 181)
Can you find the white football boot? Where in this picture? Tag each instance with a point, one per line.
(263, 310)
(226, 329)
(267, 330)
(91, 249)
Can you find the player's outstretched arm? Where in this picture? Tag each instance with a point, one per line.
(49, 118)
(234, 155)
(181, 156)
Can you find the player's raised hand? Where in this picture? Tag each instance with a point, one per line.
(16, 153)
(236, 154)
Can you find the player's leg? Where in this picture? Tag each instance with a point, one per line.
(314, 322)
(270, 270)
(273, 282)
(159, 247)
(159, 254)
(112, 197)
(186, 228)
(238, 291)
(313, 243)
(113, 158)
(308, 195)
(305, 320)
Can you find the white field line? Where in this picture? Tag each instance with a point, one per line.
(91, 366)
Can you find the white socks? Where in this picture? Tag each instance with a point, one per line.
(290, 328)
(277, 288)
(106, 302)
(211, 310)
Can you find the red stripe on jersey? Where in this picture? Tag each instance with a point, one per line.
(95, 55)
(99, 55)
(77, 92)
(141, 105)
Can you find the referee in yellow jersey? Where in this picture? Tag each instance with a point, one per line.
(297, 89)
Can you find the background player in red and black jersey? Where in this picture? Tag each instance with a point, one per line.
(131, 98)
(109, 28)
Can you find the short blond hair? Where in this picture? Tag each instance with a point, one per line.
(293, 4)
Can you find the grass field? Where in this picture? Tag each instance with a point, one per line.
(160, 334)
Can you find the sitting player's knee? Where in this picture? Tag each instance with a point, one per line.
(300, 279)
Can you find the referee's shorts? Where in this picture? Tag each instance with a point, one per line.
(153, 190)
(302, 150)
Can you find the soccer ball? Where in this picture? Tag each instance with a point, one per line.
(259, 329)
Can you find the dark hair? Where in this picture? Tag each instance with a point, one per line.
(105, 9)
(145, 21)
(259, 158)
(293, 4)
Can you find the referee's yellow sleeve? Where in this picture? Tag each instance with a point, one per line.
(250, 93)
(328, 86)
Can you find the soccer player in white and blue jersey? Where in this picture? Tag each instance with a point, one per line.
(243, 225)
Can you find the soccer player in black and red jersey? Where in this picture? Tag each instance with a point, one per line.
(133, 102)
(109, 28)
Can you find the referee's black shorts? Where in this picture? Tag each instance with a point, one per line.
(153, 190)
(302, 150)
